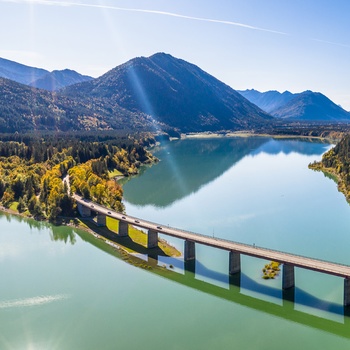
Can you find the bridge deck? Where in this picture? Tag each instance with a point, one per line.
(263, 253)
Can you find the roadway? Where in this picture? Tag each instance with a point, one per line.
(254, 251)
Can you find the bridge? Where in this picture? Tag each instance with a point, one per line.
(235, 249)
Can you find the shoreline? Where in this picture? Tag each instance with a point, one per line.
(72, 221)
(77, 223)
(331, 173)
(212, 135)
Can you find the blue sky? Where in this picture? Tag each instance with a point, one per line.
(293, 45)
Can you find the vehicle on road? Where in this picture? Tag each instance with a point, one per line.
(160, 227)
(137, 221)
(108, 212)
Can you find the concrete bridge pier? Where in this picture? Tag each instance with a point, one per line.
(288, 280)
(190, 268)
(190, 250)
(101, 219)
(152, 239)
(234, 262)
(84, 211)
(235, 282)
(123, 229)
(152, 258)
(288, 297)
(346, 291)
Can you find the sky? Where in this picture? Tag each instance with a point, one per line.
(293, 45)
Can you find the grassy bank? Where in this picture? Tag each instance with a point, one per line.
(135, 242)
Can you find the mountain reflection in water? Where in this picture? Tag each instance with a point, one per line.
(186, 166)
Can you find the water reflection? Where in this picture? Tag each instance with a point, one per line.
(63, 234)
(292, 305)
(57, 232)
(185, 167)
(33, 224)
(304, 146)
(196, 270)
(188, 165)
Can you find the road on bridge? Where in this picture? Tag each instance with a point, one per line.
(258, 252)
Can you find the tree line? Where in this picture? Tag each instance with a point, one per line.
(337, 161)
(33, 169)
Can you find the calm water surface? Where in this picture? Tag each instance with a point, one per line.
(62, 289)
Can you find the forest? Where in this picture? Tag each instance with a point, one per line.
(337, 162)
(34, 170)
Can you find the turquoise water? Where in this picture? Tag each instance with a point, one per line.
(263, 193)
(63, 289)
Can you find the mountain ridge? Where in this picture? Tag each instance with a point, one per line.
(174, 92)
(306, 106)
(58, 79)
(312, 106)
(38, 77)
(159, 93)
(268, 101)
(18, 72)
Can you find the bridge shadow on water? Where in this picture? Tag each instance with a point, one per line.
(243, 290)
(246, 284)
(126, 241)
(286, 304)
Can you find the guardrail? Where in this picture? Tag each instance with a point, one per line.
(258, 247)
(217, 239)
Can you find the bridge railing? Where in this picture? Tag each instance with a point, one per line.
(257, 247)
(217, 238)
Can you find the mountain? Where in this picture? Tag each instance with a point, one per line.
(24, 108)
(58, 79)
(19, 72)
(307, 105)
(159, 92)
(311, 106)
(174, 93)
(268, 101)
(38, 77)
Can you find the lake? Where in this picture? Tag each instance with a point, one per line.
(64, 289)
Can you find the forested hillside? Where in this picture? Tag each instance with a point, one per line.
(337, 162)
(23, 108)
(32, 172)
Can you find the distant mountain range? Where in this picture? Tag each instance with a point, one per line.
(305, 106)
(312, 106)
(38, 77)
(268, 101)
(59, 79)
(156, 93)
